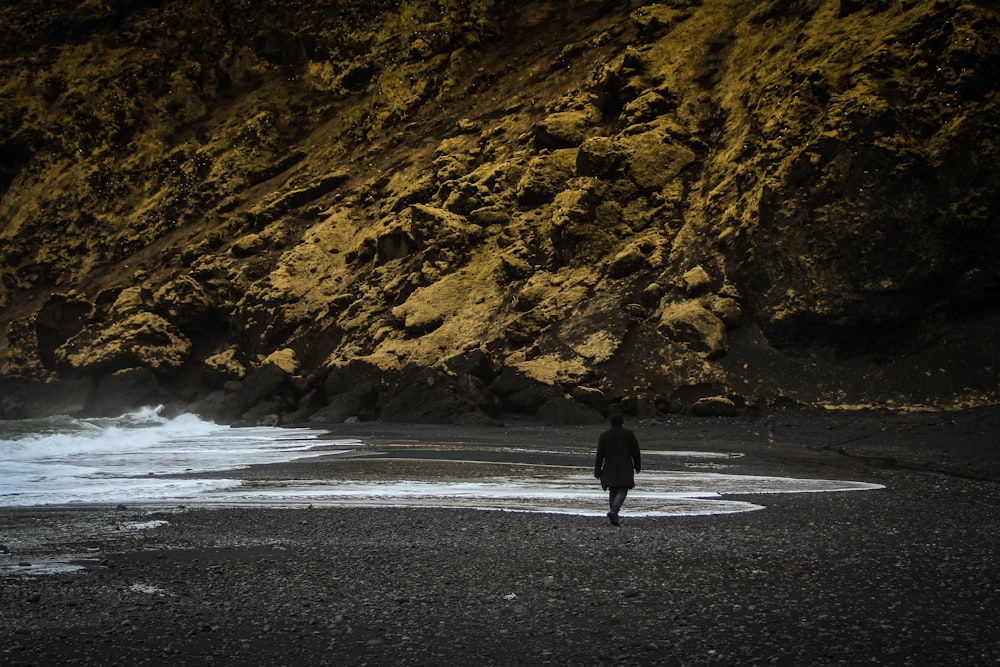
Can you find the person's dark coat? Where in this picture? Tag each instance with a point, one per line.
(617, 458)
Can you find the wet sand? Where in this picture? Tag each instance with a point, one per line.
(907, 574)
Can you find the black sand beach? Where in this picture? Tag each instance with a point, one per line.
(907, 574)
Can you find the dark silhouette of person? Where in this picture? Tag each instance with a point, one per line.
(617, 462)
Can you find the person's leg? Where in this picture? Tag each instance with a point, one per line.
(612, 514)
(618, 500)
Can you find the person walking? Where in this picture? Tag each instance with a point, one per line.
(618, 460)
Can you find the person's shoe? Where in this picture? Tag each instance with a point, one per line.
(613, 518)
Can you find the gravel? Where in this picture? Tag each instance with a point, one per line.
(903, 575)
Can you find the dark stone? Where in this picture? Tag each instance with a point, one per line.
(473, 388)
(68, 396)
(598, 156)
(223, 407)
(564, 410)
(62, 317)
(127, 390)
(28, 399)
(11, 407)
(545, 176)
(268, 380)
(476, 362)
(566, 129)
(356, 374)
(265, 412)
(185, 304)
(715, 406)
(271, 419)
(437, 398)
(527, 328)
(595, 399)
(521, 394)
(356, 403)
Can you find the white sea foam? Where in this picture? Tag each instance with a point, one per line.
(64, 460)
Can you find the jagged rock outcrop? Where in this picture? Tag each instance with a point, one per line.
(441, 212)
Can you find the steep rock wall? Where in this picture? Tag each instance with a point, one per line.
(441, 212)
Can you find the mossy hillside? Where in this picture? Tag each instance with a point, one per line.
(634, 206)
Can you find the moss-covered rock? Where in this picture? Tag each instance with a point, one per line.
(139, 340)
(689, 322)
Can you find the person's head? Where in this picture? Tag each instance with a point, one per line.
(617, 420)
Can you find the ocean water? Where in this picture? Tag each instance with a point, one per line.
(141, 457)
(63, 460)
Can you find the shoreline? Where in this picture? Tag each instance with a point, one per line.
(900, 575)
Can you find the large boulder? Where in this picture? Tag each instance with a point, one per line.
(228, 365)
(285, 359)
(353, 404)
(599, 157)
(29, 399)
(224, 407)
(566, 129)
(546, 175)
(185, 303)
(352, 390)
(691, 323)
(62, 317)
(131, 300)
(142, 339)
(126, 390)
(654, 159)
(715, 406)
(266, 381)
(521, 394)
(434, 397)
(565, 410)
(352, 375)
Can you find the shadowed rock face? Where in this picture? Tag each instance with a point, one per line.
(440, 212)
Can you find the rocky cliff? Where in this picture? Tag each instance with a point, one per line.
(444, 211)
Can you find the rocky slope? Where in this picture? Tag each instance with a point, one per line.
(444, 211)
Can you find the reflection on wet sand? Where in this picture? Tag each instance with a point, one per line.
(493, 479)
